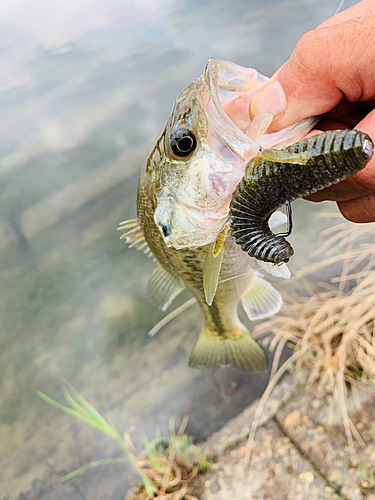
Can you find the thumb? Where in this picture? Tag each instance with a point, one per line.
(327, 65)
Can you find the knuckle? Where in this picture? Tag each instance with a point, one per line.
(311, 54)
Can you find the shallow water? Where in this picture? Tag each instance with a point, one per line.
(85, 86)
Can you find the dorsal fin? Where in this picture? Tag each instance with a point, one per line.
(163, 288)
(133, 235)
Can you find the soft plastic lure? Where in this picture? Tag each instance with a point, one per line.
(281, 176)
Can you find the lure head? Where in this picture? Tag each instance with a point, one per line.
(366, 149)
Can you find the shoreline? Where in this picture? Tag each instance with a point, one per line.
(297, 454)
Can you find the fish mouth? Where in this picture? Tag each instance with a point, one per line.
(229, 83)
(229, 91)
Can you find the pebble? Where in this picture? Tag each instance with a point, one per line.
(293, 419)
(328, 489)
(215, 487)
(244, 451)
(308, 477)
(335, 476)
(320, 453)
(355, 494)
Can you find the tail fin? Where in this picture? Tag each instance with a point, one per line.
(237, 348)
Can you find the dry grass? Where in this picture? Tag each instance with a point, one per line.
(330, 324)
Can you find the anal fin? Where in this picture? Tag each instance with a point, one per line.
(261, 299)
(163, 288)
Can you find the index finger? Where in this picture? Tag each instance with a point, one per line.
(327, 65)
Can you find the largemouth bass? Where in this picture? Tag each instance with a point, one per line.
(183, 201)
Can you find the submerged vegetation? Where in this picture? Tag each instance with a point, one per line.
(168, 466)
(330, 325)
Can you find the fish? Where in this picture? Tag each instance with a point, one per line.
(183, 201)
(280, 176)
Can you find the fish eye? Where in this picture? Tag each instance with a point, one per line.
(183, 142)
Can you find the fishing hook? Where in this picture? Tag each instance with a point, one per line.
(290, 221)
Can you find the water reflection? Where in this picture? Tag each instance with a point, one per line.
(84, 88)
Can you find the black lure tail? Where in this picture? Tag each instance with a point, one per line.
(281, 176)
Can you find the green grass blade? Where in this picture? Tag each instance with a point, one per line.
(152, 455)
(97, 463)
(172, 428)
(74, 405)
(65, 409)
(107, 429)
(158, 442)
(159, 439)
(111, 423)
(88, 406)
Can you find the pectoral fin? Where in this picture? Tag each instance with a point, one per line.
(261, 299)
(133, 235)
(163, 288)
(211, 273)
(212, 266)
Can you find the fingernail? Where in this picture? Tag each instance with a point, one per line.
(270, 99)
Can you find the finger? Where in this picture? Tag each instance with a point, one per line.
(345, 108)
(359, 185)
(327, 65)
(326, 125)
(359, 210)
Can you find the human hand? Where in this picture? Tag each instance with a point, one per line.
(331, 73)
